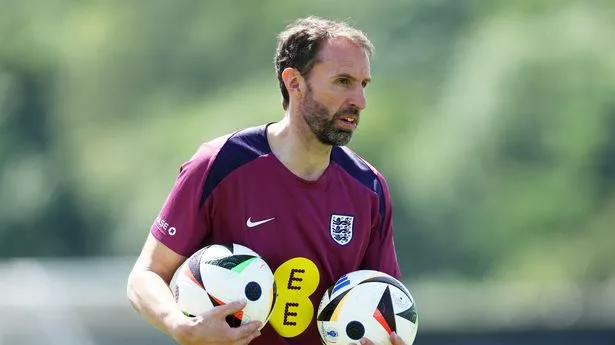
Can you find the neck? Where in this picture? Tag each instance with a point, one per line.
(294, 144)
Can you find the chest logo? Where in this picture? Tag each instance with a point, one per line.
(341, 228)
(250, 223)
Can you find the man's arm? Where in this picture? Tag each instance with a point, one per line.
(165, 250)
(148, 286)
(149, 293)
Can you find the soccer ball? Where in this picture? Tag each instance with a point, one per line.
(219, 274)
(367, 304)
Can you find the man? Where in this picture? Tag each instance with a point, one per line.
(289, 190)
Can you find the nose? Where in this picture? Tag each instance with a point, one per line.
(358, 99)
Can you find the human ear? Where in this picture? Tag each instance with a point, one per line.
(292, 80)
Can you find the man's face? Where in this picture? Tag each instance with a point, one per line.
(335, 91)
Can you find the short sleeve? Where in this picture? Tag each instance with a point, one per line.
(183, 222)
(380, 254)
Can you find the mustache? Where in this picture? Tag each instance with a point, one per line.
(351, 111)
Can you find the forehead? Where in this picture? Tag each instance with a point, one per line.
(341, 55)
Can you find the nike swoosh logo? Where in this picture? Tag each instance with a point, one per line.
(251, 224)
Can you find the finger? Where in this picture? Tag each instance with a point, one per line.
(252, 337)
(244, 331)
(365, 341)
(248, 339)
(229, 308)
(395, 339)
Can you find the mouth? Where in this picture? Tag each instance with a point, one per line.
(350, 118)
(348, 121)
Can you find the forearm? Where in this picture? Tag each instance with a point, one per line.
(149, 294)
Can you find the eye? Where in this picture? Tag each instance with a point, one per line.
(343, 81)
(364, 84)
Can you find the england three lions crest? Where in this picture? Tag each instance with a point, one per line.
(341, 228)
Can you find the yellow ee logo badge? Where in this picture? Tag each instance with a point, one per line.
(296, 280)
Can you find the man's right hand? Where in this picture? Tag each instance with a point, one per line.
(211, 328)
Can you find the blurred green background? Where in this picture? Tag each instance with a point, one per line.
(493, 121)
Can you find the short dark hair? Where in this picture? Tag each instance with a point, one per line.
(299, 44)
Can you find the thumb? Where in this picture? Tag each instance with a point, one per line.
(229, 308)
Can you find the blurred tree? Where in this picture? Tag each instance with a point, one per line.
(41, 214)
